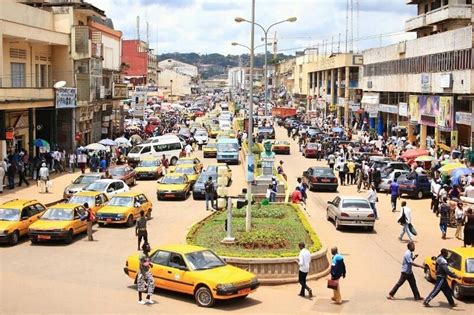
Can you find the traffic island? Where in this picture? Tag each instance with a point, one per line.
(270, 249)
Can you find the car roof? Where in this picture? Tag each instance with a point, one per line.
(181, 248)
(174, 175)
(108, 180)
(127, 194)
(119, 166)
(149, 158)
(464, 251)
(15, 203)
(353, 198)
(88, 193)
(65, 205)
(187, 158)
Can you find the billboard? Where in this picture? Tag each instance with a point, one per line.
(428, 110)
(413, 106)
(66, 97)
(446, 110)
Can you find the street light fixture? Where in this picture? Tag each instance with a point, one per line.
(265, 32)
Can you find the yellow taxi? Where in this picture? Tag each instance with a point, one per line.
(281, 147)
(125, 208)
(173, 186)
(460, 262)
(95, 199)
(197, 271)
(190, 171)
(226, 134)
(149, 167)
(60, 222)
(187, 161)
(213, 131)
(210, 150)
(16, 216)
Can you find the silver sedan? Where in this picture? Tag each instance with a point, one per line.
(350, 211)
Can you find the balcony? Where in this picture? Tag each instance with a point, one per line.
(26, 94)
(85, 43)
(416, 23)
(449, 12)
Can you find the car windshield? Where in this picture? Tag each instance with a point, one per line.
(136, 150)
(96, 186)
(322, 172)
(9, 214)
(204, 178)
(211, 169)
(355, 203)
(201, 134)
(185, 170)
(58, 214)
(85, 179)
(184, 162)
(211, 145)
(148, 163)
(204, 260)
(173, 180)
(228, 147)
(82, 200)
(470, 265)
(121, 201)
(311, 146)
(117, 171)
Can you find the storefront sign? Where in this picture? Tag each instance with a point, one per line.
(332, 108)
(414, 108)
(429, 110)
(403, 109)
(372, 109)
(120, 91)
(370, 98)
(445, 117)
(9, 134)
(340, 101)
(392, 109)
(445, 80)
(425, 83)
(355, 107)
(66, 97)
(463, 118)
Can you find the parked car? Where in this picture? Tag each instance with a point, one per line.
(201, 137)
(16, 216)
(414, 185)
(187, 161)
(191, 171)
(220, 168)
(123, 172)
(95, 200)
(173, 186)
(149, 167)
(310, 150)
(108, 186)
(350, 211)
(60, 222)
(389, 176)
(210, 150)
(461, 262)
(124, 208)
(383, 165)
(196, 271)
(79, 183)
(320, 178)
(281, 147)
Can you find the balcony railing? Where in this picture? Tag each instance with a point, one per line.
(447, 12)
(23, 94)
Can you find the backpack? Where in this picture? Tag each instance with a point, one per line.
(403, 218)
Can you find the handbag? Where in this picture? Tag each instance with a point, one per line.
(49, 184)
(412, 230)
(403, 218)
(332, 284)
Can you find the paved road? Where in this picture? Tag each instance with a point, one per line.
(87, 277)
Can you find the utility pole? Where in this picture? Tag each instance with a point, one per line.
(138, 28)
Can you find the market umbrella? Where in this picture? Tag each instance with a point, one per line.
(414, 153)
(449, 168)
(463, 171)
(337, 129)
(425, 158)
(133, 128)
(40, 143)
(107, 142)
(136, 138)
(122, 141)
(96, 147)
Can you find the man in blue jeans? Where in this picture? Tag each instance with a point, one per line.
(394, 194)
(210, 192)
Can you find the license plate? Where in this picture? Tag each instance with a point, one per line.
(244, 291)
(44, 237)
(325, 180)
(109, 220)
(169, 195)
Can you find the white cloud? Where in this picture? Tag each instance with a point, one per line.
(207, 26)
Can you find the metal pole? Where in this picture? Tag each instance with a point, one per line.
(229, 238)
(248, 214)
(265, 74)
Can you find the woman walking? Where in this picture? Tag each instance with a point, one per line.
(459, 216)
(145, 281)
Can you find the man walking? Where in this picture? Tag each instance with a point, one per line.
(444, 217)
(90, 218)
(21, 174)
(407, 273)
(338, 270)
(442, 272)
(304, 260)
(43, 178)
(140, 229)
(2, 174)
(405, 220)
(209, 192)
(394, 194)
(165, 164)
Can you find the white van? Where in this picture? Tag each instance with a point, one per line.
(169, 145)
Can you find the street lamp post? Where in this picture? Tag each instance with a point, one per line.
(171, 88)
(265, 32)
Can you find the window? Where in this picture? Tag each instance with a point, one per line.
(118, 185)
(39, 207)
(18, 74)
(146, 150)
(161, 258)
(176, 261)
(454, 261)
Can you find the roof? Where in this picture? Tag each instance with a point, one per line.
(65, 205)
(127, 194)
(353, 197)
(464, 251)
(108, 180)
(181, 248)
(88, 193)
(174, 175)
(15, 203)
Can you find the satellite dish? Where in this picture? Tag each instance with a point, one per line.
(59, 84)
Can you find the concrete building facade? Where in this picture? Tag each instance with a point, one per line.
(140, 65)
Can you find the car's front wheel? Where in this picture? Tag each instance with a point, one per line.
(203, 297)
(130, 221)
(14, 238)
(69, 237)
(419, 194)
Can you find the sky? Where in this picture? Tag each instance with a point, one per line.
(208, 26)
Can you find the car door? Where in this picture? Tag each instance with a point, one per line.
(146, 151)
(79, 225)
(146, 204)
(335, 207)
(177, 275)
(120, 187)
(25, 220)
(111, 189)
(159, 261)
(454, 264)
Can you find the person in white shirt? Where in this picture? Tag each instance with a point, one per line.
(304, 260)
(372, 198)
(459, 216)
(72, 161)
(188, 149)
(419, 170)
(405, 220)
(469, 191)
(43, 178)
(435, 187)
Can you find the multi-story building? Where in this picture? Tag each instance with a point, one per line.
(426, 84)
(177, 79)
(239, 77)
(33, 51)
(140, 65)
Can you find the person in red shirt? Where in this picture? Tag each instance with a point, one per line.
(296, 196)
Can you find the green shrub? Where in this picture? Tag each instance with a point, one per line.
(262, 239)
(267, 211)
